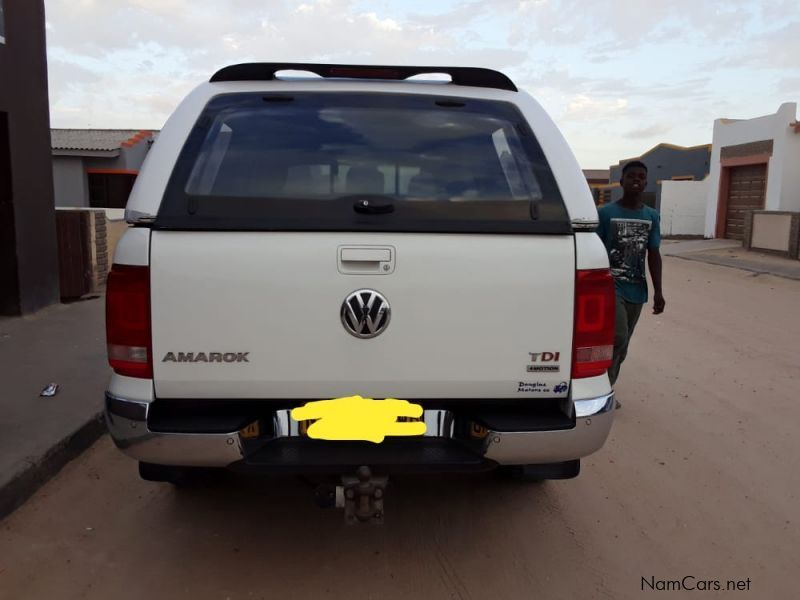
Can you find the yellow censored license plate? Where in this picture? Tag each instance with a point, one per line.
(360, 419)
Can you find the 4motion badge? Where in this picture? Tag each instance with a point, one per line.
(544, 362)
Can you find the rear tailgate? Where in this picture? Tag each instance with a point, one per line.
(452, 194)
(472, 316)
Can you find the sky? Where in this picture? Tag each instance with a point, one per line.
(617, 76)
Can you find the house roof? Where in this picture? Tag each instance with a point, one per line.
(665, 145)
(596, 173)
(96, 140)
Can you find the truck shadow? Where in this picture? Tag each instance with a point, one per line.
(249, 513)
(289, 499)
(443, 536)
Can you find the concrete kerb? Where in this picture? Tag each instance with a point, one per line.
(729, 253)
(23, 484)
(675, 247)
(734, 264)
(62, 345)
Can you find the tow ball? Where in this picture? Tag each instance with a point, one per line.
(361, 496)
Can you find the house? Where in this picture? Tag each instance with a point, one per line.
(97, 167)
(29, 274)
(676, 186)
(598, 183)
(665, 162)
(754, 191)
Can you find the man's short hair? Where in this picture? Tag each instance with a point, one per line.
(632, 164)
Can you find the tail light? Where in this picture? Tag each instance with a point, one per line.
(128, 321)
(595, 311)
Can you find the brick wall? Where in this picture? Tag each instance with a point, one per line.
(100, 262)
(107, 234)
(103, 236)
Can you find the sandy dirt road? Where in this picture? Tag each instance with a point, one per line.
(700, 478)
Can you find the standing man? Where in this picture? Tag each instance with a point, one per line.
(630, 231)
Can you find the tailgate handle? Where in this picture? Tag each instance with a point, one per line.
(366, 255)
(366, 260)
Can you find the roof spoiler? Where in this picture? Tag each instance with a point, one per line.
(469, 76)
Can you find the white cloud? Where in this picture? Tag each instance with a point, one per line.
(653, 131)
(586, 108)
(789, 86)
(155, 50)
(622, 64)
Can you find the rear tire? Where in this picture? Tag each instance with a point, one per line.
(533, 473)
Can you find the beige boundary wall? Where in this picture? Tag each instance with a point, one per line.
(777, 232)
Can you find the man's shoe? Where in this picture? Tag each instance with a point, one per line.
(619, 404)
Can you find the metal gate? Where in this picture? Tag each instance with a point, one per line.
(746, 192)
(74, 253)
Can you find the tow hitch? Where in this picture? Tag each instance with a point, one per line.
(361, 496)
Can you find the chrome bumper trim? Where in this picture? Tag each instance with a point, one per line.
(594, 406)
(592, 424)
(127, 423)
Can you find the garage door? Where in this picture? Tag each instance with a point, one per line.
(746, 192)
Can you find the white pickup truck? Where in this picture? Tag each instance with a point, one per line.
(356, 230)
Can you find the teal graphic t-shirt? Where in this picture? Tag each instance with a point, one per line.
(627, 235)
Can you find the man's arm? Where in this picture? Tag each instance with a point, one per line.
(654, 262)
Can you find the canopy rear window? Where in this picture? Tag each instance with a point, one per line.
(374, 162)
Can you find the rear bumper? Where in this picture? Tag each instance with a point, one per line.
(449, 441)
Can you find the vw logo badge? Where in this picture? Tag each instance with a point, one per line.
(365, 314)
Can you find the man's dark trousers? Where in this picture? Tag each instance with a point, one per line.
(626, 318)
